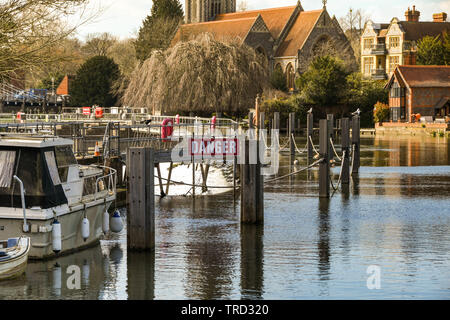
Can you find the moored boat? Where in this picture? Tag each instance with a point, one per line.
(13, 257)
(46, 195)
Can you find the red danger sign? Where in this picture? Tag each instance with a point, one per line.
(214, 147)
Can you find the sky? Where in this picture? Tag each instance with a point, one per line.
(123, 18)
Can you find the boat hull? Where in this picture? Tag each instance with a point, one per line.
(72, 240)
(15, 267)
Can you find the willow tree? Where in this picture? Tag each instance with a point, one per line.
(203, 75)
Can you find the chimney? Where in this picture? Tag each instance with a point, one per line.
(412, 15)
(440, 17)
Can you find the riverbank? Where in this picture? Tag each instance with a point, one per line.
(400, 128)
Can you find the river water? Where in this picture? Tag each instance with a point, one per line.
(395, 217)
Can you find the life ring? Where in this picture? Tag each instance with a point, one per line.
(213, 122)
(177, 119)
(166, 129)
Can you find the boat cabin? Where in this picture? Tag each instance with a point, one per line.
(46, 166)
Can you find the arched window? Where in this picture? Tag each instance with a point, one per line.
(290, 77)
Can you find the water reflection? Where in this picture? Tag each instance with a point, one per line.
(323, 245)
(141, 275)
(252, 262)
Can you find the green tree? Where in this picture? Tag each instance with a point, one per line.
(364, 94)
(51, 82)
(158, 28)
(380, 112)
(324, 82)
(278, 79)
(433, 50)
(94, 81)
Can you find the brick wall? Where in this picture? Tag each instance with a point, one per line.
(423, 100)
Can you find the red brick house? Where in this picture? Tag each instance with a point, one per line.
(419, 90)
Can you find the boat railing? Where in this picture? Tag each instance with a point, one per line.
(24, 208)
(109, 180)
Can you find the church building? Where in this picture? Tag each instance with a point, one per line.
(288, 36)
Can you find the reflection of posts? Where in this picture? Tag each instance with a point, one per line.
(324, 239)
(141, 275)
(252, 257)
(252, 192)
(141, 201)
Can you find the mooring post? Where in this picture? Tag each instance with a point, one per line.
(141, 199)
(292, 132)
(330, 119)
(252, 192)
(324, 166)
(356, 141)
(345, 136)
(276, 121)
(309, 134)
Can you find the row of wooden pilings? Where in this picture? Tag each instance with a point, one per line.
(141, 165)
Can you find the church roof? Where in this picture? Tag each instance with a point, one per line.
(275, 18)
(229, 29)
(299, 33)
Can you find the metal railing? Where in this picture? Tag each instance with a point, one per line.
(111, 179)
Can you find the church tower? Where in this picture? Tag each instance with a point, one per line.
(206, 10)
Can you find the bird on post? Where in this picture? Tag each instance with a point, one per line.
(356, 113)
(310, 111)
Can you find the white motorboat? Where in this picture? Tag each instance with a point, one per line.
(46, 195)
(13, 257)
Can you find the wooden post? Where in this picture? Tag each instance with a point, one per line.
(309, 134)
(161, 188)
(330, 119)
(276, 121)
(141, 201)
(356, 141)
(292, 132)
(324, 166)
(345, 134)
(252, 192)
(193, 169)
(257, 114)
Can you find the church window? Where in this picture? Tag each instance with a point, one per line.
(290, 77)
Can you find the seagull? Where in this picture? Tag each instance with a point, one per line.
(356, 113)
(310, 110)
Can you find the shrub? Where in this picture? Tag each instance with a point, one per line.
(278, 79)
(380, 112)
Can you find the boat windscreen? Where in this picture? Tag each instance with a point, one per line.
(41, 188)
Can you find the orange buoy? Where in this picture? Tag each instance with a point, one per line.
(97, 150)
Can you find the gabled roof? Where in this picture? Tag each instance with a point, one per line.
(229, 29)
(417, 30)
(299, 32)
(423, 76)
(275, 18)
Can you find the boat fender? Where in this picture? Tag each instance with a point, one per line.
(116, 223)
(166, 129)
(85, 229)
(105, 222)
(56, 237)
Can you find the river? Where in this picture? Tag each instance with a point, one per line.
(395, 217)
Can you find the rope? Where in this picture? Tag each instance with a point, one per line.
(295, 144)
(334, 149)
(294, 173)
(340, 175)
(314, 148)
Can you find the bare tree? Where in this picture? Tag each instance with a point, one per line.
(99, 44)
(242, 6)
(202, 75)
(30, 29)
(353, 24)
